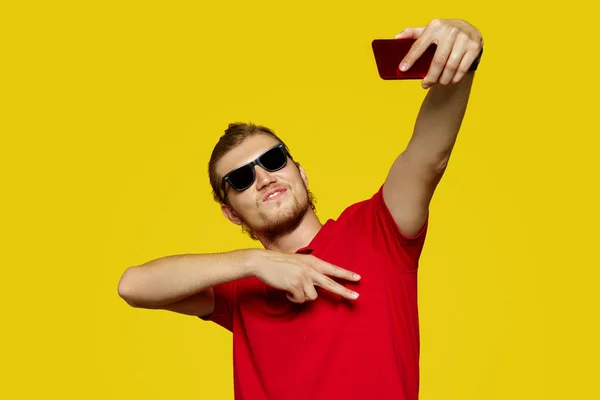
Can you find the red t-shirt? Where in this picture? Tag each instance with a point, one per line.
(333, 348)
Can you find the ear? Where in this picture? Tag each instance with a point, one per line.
(230, 214)
(303, 174)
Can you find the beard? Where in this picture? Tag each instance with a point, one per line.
(280, 223)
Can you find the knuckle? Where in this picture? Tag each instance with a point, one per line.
(305, 270)
(416, 46)
(463, 37)
(292, 297)
(313, 262)
(338, 271)
(463, 69)
(438, 62)
(296, 283)
(473, 45)
(451, 67)
(325, 266)
(455, 57)
(333, 284)
(436, 22)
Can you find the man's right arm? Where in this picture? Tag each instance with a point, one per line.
(183, 283)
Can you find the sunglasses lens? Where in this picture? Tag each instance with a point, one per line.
(241, 178)
(274, 159)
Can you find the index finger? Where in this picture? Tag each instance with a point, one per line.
(332, 270)
(329, 284)
(416, 50)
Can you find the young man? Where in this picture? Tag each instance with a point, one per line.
(324, 311)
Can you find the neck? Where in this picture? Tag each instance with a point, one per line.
(300, 236)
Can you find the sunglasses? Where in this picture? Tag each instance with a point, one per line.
(243, 177)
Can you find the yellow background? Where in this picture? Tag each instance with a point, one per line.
(110, 111)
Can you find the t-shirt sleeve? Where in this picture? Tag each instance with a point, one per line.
(224, 298)
(374, 219)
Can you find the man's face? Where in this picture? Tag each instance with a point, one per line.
(276, 202)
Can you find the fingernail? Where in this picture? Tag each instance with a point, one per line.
(354, 295)
(403, 66)
(356, 276)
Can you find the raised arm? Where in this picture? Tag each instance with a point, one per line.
(415, 174)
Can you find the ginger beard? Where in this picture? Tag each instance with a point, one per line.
(278, 217)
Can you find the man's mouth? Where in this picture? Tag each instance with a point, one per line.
(274, 194)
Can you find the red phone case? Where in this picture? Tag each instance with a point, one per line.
(390, 52)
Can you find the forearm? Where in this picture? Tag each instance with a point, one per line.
(190, 305)
(173, 278)
(438, 122)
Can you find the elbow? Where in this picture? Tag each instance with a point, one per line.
(436, 163)
(430, 166)
(433, 170)
(439, 167)
(126, 287)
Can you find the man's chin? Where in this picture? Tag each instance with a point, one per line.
(283, 222)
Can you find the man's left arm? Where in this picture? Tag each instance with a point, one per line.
(415, 174)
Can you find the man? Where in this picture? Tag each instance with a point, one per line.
(324, 311)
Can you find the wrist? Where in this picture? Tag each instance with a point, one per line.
(250, 262)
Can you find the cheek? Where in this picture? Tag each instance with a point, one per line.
(293, 178)
(299, 185)
(244, 205)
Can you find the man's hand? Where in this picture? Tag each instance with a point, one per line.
(298, 274)
(458, 45)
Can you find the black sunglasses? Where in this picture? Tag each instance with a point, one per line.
(243, 177)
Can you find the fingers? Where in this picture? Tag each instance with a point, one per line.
(458, 46)
(314, 271)
(301, 292)
(454, 59)
(310, 292)
(466, 62)
(410, 33)
(332, 270)
(329, 284)
(295, 297)
(416, 51)
(296, 293)
(439, 60)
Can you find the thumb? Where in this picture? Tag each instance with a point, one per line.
(410, 33)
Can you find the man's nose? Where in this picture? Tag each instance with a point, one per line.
(263, 178)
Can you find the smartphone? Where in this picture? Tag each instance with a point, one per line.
(390, 52)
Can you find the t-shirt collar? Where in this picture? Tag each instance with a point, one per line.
(318, 240)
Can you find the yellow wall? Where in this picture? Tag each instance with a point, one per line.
(111, 109)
